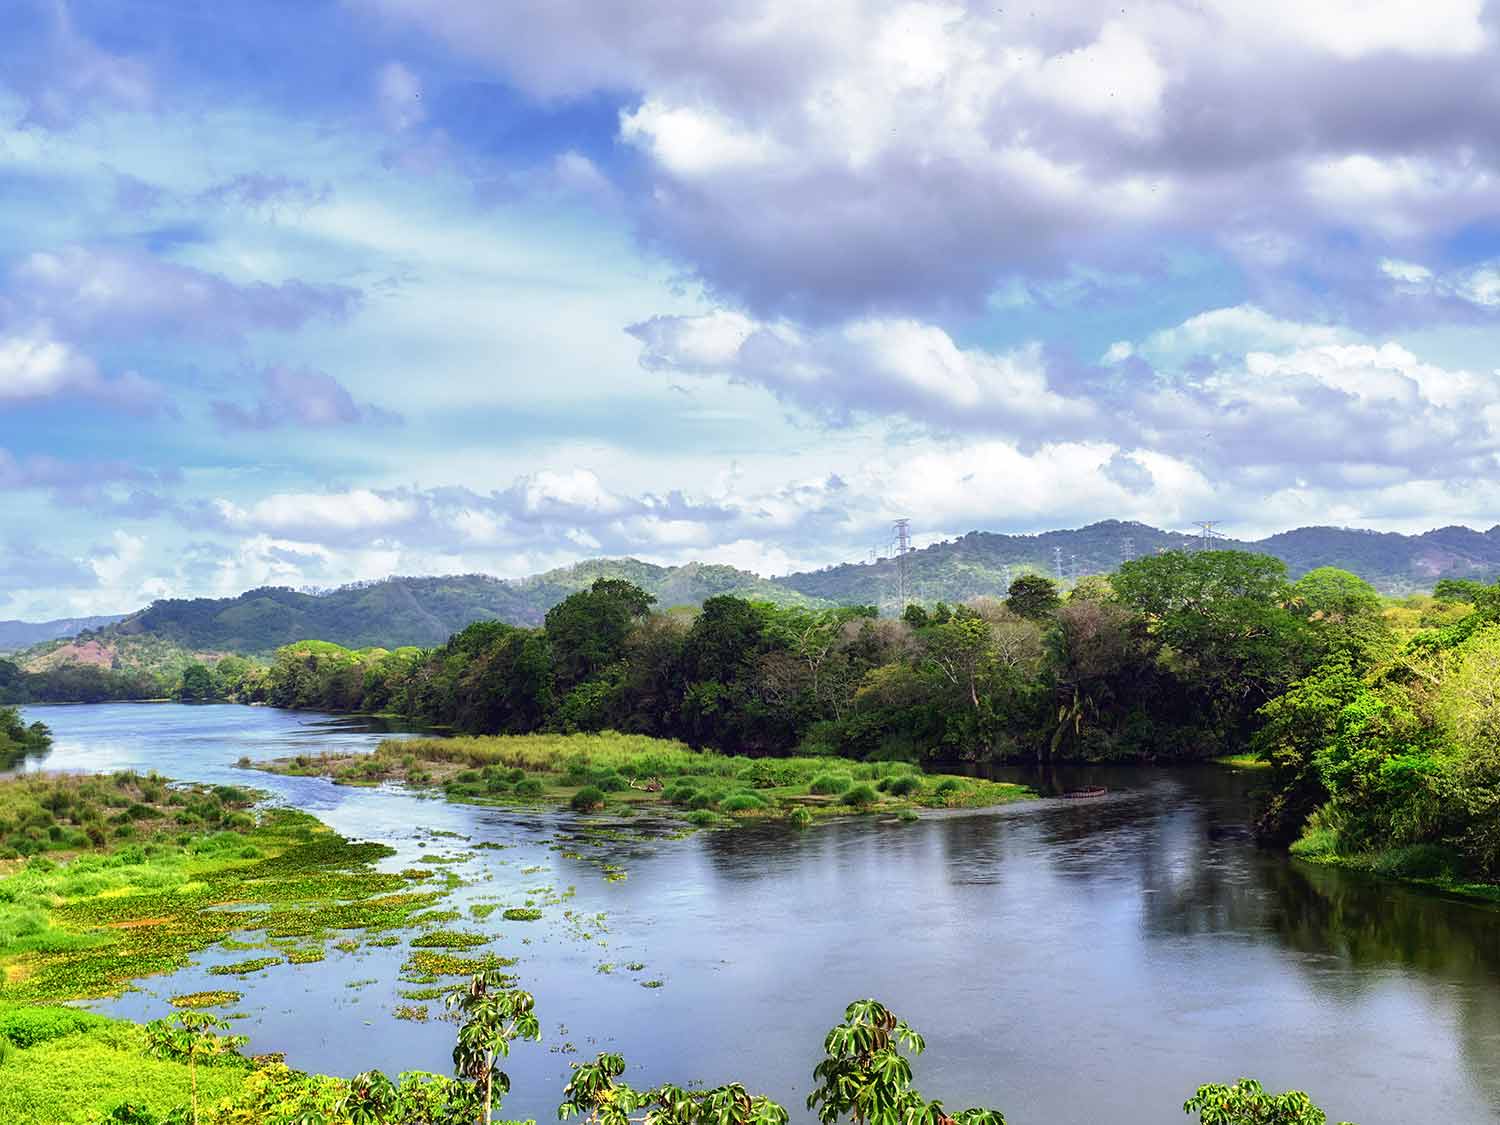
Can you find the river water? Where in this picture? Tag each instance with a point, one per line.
(1070, 962)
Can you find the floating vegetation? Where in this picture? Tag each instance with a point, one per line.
(414, 1012)
(636, 966)
(482, 910)
(306, 956)
(240, 968)
(426, 963)
(450, 939)
(435, 993)
(604, 967)
(434, 917)
(346, 945)
(109, 917)
(652, 983)
(363, 982)
(416, 873)
(212, 999)
(522, 914)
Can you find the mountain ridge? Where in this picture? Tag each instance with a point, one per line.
(424, 610)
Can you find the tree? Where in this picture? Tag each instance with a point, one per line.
(1344, 614)
(492, 1018)
(1033, 596)
(866, 1076)
(587, 630)
(188, 1037)
(1247, 1103)
(197, 684)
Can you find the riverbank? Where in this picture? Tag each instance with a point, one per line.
(626, 773)
(127, 876)
(1421, 865)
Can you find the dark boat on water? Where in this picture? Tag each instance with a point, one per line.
(1089, 791)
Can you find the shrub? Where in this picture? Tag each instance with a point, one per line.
(702, 801)
(800, 818)
(828, 784)
(26, 1027)
(1418, 861)
(609, 781)
(741, 802)
(702, 817)
(528, 787)
(587, 799)
(948, 785)
(901, 786)
(860, 795)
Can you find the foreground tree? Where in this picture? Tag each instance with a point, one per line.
(1247, 1103)
(189, 1037)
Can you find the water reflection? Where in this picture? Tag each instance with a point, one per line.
(1070, 961)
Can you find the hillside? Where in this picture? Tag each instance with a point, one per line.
(426, 611)
(386, 614)
(976, 563)
(18, 635)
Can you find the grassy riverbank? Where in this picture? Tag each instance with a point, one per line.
(1424, 865)
(129, 874)
(61, 1066)
(634, 771)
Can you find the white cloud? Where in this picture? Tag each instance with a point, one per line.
(35, 366)
(291, 513)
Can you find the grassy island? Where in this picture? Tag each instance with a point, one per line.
(630, 772)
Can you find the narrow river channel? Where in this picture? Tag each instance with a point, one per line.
(1071, 963)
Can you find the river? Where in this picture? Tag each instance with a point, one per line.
(1070, 962)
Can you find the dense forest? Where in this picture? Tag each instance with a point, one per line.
(1379, 722)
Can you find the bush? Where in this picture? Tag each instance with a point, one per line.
(901, 786)
(860, 796)
(829, 784)
(1418, 861)
(948, 785)
(702, 817)
(701, 801)
(528, 787)
(741, 802)
(26, 1027)
(587, 799)
(609, 781)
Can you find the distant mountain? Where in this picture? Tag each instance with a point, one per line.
(16, 635)
(426, 611)
(398, 611)
(977, 563)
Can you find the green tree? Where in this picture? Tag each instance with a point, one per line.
(492, 1019)
(189, 1037)
(587, 630)
(1033, 596)
(865, 1074)
(1247, 1103)
(197, 685)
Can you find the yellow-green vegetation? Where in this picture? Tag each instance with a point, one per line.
(1243, 762)
(95, 917)
(67, 1066)
(214, 999)
(623, 770)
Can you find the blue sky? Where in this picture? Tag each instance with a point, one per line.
(307, 292)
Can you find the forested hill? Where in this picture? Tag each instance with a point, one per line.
(16, 635)
(415, 611)
(426, 611)
(976, 563)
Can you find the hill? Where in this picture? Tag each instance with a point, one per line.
(18, 635)
(978, 563)
(426, 611)
(385, 614)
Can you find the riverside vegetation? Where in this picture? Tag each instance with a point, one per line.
(1376, 718)
(865, 1077)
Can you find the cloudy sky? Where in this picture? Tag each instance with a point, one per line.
(307, 291)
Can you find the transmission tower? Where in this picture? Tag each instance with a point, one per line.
(1057, 567)
(1206, 533)
(901, 529)
(1127, 549)
(1073, 566)
(1005, 576)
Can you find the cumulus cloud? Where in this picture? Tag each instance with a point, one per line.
(903, 154)
(35, 366)
(869, 366)
(298, 397)
(111, 290)
(26, 565)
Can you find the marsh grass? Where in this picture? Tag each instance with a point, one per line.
(620, 771)
(88, 925)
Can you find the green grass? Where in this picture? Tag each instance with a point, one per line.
(89, 925)
(67, 1079)
(1242, 762)
(586, 769)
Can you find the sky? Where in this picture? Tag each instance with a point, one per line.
(303, 292)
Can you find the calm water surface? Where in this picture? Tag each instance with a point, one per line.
(1071, 963)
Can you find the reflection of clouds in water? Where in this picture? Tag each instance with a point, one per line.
(1067, 960)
